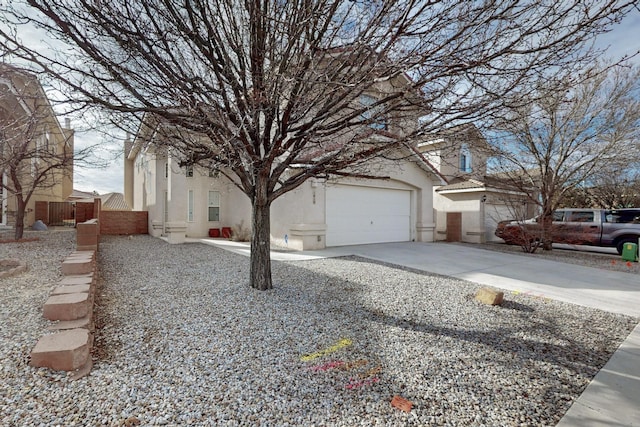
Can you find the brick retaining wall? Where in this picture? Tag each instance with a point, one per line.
(42, 211)
(123, 222)
(84, 211)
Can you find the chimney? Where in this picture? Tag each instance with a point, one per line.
(67, 123)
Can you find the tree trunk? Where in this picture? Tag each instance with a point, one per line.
(21, 206)
(260, 275)
(547, 232)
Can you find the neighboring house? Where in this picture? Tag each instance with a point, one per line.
(114, 202)
(469, 207)
(189, 201)
(28, 121)
(78, 195)
(109, 201)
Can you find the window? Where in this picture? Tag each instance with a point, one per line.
(213, 206)
(213, 173)
(580, 216)
(631, 216)
(42, 143)
(189, 171)
(190, 206)
(166, 169)
(465, 159)
(372, 115)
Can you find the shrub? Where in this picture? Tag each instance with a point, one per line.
(240, 233)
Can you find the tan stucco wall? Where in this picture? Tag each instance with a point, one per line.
(472, 209)
(301, 214)
(150, 185)
(298, 218)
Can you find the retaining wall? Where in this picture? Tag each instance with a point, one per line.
(123, 222)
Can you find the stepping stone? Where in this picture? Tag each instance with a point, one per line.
(63, 351)
(67, 306)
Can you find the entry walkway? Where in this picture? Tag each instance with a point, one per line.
(613, 397)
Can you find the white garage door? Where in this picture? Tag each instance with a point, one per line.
(359, 215)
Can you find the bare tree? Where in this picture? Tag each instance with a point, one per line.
(614, 185)
(36, 154)
(573, 129)
(273, 84)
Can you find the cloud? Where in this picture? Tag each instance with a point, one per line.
(623, 39)
(104, 170)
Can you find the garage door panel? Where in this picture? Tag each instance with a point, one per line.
(360, 215)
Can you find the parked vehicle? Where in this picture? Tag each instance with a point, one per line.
(594, 227)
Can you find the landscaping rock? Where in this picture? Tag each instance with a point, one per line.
(39, 226)
(490, 296)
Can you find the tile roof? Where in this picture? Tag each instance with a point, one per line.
(470, 184)
(114, 202)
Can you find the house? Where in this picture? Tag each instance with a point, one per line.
(78, 195)
(109, 201)
(441, 192)
(189, 201)
(318, 214)
(33, 146)
(470, 205)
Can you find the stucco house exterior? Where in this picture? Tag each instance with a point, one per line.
(470, 205)
(189, 201)
(23, 103)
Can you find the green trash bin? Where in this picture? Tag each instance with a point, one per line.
(630, 252)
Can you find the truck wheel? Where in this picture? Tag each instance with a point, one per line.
(621, 243)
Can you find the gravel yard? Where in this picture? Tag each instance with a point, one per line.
(182, 339)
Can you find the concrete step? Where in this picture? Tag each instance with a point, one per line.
(68, 306)
(63, 351)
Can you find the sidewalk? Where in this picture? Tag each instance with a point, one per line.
(613, 397)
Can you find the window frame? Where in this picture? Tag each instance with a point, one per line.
(465, 159)
(377, 123)
(213, 204)
(190, 205)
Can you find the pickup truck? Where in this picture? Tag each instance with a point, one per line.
(595, 227)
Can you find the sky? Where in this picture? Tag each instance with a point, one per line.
(623, 40)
